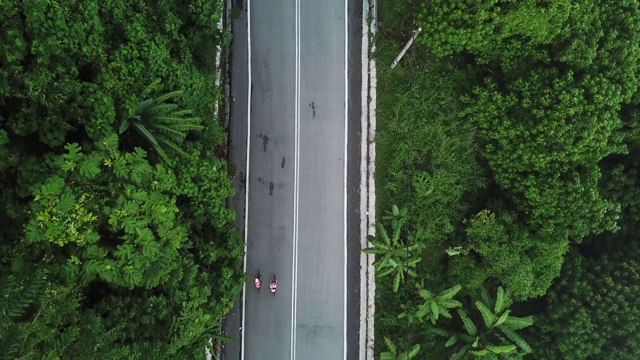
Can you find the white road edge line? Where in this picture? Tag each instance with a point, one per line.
(367, 173)
(246, 177)
(296, 185)
(373, 79)
(363, 181)
(346, 139)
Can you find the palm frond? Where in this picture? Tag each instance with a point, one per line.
(162, 154)
(160, 108)
(170, 119)
(172, 145)
(167, 96)
(124, 125)
(144, 132)
(183, 112)
(149, 88)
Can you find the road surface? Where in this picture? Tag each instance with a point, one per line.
(295, 94)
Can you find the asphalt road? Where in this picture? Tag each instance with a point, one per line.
(293, 96)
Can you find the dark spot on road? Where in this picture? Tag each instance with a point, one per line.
(259, 179)
(282, 163)
(271, 188)
(265, 141)
(313, 108)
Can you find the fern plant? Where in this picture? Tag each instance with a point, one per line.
(161, 123)
(495, 337)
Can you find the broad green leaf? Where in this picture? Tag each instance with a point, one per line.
(460, 354)
(385, 273)
(487, 315)
(468, 324)
(440, 332)
(390, 345)
(502, 349)
(499, 300)
(382, 232)
(425, 294)
(414, 351)
(517, 323)
(486, 299)
(124, 125)
(387, 356)
(396, 237)
(396, 282)
(452, 340)
(450, 304)
(482, 352)
(516, 339)
(374, 250)
(502, 318)
(424, 309)
(435, 312)
(450, 292)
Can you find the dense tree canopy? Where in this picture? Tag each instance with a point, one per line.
(591, 310)
(543, 98)
(107, 249)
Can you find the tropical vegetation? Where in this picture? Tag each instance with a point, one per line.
(509, 133)
(108, 250)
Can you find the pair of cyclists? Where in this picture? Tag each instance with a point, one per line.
(257, 282)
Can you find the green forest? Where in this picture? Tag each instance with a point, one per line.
(115, 238)
(507, 180)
